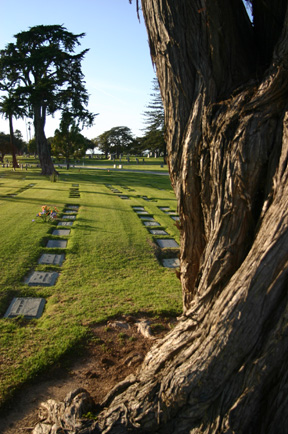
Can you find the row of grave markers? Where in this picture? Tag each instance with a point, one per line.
(149, 221)
(20, 190)
(163, 243)
(32, 307)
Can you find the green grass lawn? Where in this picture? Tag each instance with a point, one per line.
(111, 267)
(144, 163)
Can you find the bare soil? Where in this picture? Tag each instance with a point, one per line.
(114, 351)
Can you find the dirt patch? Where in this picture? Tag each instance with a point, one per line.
(114, 351)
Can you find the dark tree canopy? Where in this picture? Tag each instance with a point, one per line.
(42, 69)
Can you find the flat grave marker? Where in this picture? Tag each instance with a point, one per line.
(42, 278)
(150, 219)
(70, 211)
(151, 223)
(65, 224)
(75, 207)
(123, 197)
(158, 232)
(175, 218)
(164, 208)
(61, 232)
(142, 212)
(138, 208)
(171, 262)
(69, 217)
(62, 244)
(51, 259)
(171, 244)
(29, 307)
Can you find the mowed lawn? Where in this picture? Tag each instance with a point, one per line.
(112, 265)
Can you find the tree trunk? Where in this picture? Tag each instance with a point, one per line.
(67, 162)
(223, 368)
(43, 149)
(12, 146)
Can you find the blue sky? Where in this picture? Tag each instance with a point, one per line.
(118, 69)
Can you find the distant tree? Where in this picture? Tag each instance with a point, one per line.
(95, 143)
(154, 136)
(118, 140)
(103, 143)
(19, 143)
(90, 146)
(42, 68)
(69, 142)
(154, 141)
(32, 146)
(154, 115)
(9, 107)
(4, 145)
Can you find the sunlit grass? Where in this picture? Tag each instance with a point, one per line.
(110, 268)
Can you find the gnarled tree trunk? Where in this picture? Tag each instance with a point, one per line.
(224, 366)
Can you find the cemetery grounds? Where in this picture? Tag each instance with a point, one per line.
(112, 277)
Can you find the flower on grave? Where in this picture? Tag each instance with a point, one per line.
(48, 213)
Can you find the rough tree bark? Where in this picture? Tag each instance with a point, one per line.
(223, 369)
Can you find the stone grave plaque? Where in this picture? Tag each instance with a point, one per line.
(42, 278)
(151, 223)
(142, 212)
(51, 259)
(62, 244)
(69, 217)
(172, 213)
(171, 262)
(164, 208)
(61, 232)
(27, 306)
(171, 244)
(150, 219)
(175, 218)
(75, 185)
(65, 224)
(75, 207)
(138, 208)
(158, 232)
(124, 197)
(70, 211)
